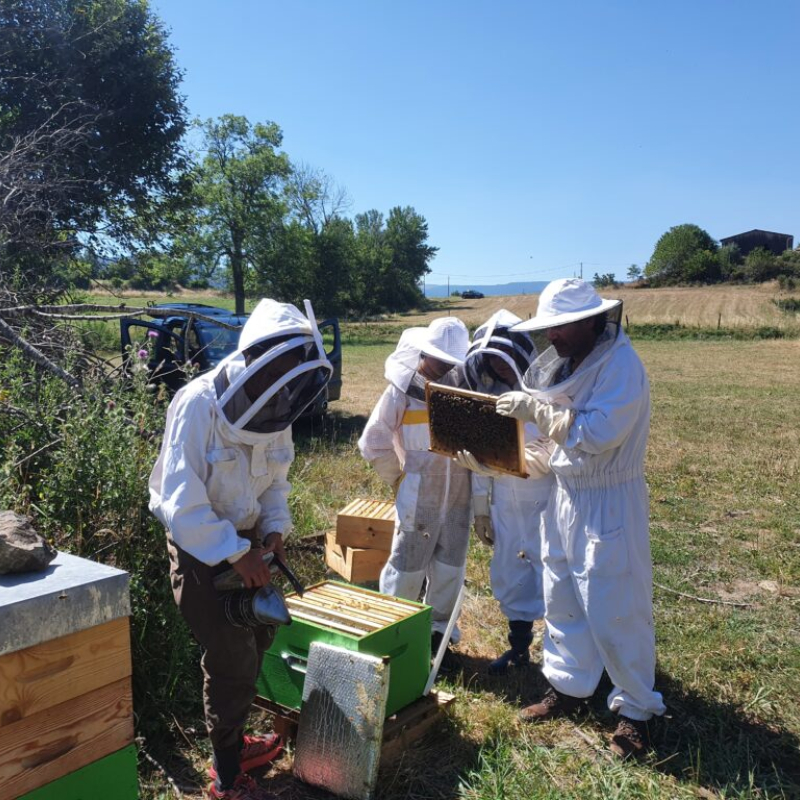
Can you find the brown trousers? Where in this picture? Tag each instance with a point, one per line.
(232, 656)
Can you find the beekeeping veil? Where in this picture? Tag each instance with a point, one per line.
(445, 339)
(278, 370)
(563, 301)
(495, 340)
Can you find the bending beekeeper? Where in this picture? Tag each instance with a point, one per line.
(590, 394)
(432, 493)
(507, 508)
(220, 488)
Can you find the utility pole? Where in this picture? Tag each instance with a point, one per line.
(581, 270)
(448, 286)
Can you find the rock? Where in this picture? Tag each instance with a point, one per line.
(21, 548)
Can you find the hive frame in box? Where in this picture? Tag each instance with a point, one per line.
(513, 464)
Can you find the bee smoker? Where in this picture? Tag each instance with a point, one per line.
(248, 608)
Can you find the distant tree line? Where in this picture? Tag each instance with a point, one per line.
(687, 254)
(99, 182)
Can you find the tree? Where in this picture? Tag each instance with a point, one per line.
(90, 117)
(634, 272)
(239, 193)
(406, 238)
(604, 281)
(672, 260)
(761, 265)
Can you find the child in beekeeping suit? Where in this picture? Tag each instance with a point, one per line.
(507, 508)
(432, 492)
(220, 488)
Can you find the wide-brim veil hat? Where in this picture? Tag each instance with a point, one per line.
(446, 338)
(566, 300)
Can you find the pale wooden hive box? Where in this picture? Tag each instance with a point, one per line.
(360, 545)
(66, 707)
(366, 523)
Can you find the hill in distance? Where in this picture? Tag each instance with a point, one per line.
(490, 290)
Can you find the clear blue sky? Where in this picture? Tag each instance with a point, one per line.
(532, 136)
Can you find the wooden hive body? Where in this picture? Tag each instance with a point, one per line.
(366, 523)
(66, 712)
(356, 619)
(360, 545)
(464, 420)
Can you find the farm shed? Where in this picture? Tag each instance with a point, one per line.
(769, 240)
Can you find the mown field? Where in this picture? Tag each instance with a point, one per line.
(725, 524)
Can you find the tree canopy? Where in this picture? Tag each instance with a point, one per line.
(90, 119)
(682, 255)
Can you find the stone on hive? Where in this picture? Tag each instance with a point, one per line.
(22, 549)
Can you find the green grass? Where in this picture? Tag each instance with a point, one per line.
(722, 468)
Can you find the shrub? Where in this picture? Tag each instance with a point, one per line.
(79, 466)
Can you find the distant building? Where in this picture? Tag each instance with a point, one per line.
(769, 240)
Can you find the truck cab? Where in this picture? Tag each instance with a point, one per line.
(186, 339)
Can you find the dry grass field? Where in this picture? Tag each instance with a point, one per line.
(706, 307)
(724, 478)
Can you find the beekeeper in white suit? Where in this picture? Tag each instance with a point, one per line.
(220, 488)
(507, 508)
(432, 493)
(589, 393)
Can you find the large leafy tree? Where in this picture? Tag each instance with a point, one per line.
(240, 181)
(90, 120)
(685, 253)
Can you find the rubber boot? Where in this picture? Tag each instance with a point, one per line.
(520, 636)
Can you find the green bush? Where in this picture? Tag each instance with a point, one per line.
(79, 466)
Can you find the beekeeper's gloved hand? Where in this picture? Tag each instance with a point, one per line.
(483, 521)
(388, 468)
(516, 404)
(553, 420)
(466, 459)
(537, 457)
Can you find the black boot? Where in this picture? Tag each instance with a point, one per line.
(520, 636)
(449, 661)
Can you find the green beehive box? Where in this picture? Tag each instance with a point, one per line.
(356, 619)
(111, 777)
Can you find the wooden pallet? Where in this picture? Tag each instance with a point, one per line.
(400, 731)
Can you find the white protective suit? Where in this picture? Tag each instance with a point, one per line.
(597, 565)
(224, 460)
(433, 498)
(516, 503)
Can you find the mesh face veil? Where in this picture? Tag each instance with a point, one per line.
(549, 373)
(266, 385)
(498, 357)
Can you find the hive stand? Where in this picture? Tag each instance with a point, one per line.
(66, 712)
(401, 731)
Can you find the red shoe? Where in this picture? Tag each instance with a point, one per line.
(244, 788)
(256, 752)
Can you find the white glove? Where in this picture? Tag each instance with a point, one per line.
(466, 459)
(388, 468)
(552, 420)
(537, 457)
(483, 522)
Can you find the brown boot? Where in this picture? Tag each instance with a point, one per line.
(630, 739)
(553, 704)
